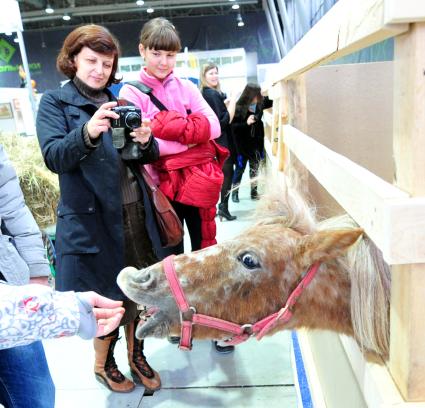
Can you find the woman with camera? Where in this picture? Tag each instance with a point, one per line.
(104, 223)
(248, 133)
(189, 170)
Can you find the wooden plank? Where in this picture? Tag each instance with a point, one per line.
(375, 381)
(275, 129)
(267, 117)
(404, 11)
(348, 26)
(395, 222)
(407, 345)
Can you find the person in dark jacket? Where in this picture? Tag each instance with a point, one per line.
(224, 109)
(248, 133)
(105, 220)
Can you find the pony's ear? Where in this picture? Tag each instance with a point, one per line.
(325, 245)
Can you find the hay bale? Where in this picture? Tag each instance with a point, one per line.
(39, 185)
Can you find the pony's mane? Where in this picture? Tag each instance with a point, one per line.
(369, 274)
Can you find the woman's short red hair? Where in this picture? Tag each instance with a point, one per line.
(93, 36)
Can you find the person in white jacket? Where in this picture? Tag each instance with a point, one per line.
(37, 312)
(31, 312)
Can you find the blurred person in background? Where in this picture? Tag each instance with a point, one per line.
(248, 133)
(225, 110)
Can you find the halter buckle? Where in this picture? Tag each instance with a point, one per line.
(188, 315)
(247, 329)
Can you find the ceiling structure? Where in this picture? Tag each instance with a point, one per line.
(35, 17)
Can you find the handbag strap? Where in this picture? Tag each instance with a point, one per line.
(148, 179)
(148, 91)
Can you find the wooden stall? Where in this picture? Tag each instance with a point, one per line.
(359, 132)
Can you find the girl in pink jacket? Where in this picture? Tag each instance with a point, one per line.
(181, 100)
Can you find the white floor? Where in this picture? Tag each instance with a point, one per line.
(257, 374)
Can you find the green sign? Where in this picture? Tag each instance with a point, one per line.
(6, 50)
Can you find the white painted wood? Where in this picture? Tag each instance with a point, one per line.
(404, 11)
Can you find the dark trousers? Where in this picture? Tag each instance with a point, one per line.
(138, 251)
(228, 171)
(254, 164)
(189, 215)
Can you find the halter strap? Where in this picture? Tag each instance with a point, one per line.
(189, 316)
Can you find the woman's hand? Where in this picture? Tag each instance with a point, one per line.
(108, 313)
(143, 133)
(251, 119)
(101, 120)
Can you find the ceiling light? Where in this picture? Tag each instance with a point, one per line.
(66, 17)
(49, 9)
(8, 33)
(241, 23)
(140, 2)
(231, 0)
(235, 6)
(16, 39)
(150, 10)
(239, 20)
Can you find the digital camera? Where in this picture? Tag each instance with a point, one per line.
(130, 117)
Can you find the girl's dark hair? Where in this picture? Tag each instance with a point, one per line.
(250, 91)
(95, 37)
(160, 34)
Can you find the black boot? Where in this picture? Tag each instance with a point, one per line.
(139, 367)
(254, 194)
(223, 212)
(235, 196)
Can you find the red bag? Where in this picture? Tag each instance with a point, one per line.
(169, 226)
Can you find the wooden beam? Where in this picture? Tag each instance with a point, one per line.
(404, 11)
(348, 26)
(407, 345)
(395, 222)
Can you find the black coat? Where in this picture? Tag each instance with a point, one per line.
(89, 232)
(216, 100)
(249, 139)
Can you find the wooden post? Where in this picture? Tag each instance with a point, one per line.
(296, 98)
(407, 345)
(282, 150)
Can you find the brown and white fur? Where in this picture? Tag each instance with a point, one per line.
(251, 276)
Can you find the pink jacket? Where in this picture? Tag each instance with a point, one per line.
(176, 94)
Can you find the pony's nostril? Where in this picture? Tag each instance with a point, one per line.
(145, 278)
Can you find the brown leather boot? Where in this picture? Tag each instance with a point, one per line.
(139, 367)
(105, 368)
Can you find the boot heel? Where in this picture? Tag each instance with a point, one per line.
(220, 218)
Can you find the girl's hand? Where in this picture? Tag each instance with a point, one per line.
(251, 119)
(101, 120)
(143, 133)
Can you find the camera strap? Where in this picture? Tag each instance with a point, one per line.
(148, 91)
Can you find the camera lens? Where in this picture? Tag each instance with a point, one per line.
(132, 120)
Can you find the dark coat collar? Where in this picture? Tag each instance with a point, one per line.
(70, 95)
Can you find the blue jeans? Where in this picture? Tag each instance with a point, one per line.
(25, 380)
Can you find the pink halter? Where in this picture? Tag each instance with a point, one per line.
(189, 316)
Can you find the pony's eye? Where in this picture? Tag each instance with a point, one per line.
(250, 261)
